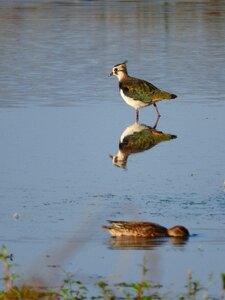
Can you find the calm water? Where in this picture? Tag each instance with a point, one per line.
(61, 117)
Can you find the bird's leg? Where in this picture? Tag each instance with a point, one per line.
(156, 123)
(137, 115)
(156, 108)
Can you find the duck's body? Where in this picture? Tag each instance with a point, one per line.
(144, 229)
(136, 92)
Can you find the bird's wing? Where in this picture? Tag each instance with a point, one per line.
(139, 90)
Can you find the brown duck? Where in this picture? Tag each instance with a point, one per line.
(144, 229)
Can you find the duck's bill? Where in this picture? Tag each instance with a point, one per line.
(111, 74)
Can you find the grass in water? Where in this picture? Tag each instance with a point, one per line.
(72, 289)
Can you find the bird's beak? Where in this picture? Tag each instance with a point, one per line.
(111, 74)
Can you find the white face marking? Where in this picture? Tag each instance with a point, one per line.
(120, 159)
(134, 103)
(120, 71)
(120, 75)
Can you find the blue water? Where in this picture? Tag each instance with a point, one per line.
(61, 117)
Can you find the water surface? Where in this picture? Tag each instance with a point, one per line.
(61, 117)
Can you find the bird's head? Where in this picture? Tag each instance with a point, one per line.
(119, 70)
(118, 161)
(178, 231)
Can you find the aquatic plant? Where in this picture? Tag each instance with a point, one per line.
(73, 289)
(9, 276)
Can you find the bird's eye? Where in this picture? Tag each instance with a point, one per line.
(115, 69)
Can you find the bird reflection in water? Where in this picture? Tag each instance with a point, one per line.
(138, 138)
(134, 243)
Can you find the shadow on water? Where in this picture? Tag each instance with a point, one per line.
(138, 138)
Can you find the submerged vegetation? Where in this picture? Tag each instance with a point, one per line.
(72, 289)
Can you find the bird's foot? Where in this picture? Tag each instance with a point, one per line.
(156, 108)
(137, 116)
(156, 123)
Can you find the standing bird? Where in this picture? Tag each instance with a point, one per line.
(136, 92)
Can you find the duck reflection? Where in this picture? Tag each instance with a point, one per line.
(138, 138)
(134, 243)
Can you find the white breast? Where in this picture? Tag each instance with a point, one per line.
(134, 103)
(131, 129)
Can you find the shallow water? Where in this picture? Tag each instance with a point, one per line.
(61, 117)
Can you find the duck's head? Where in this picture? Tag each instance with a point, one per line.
(178, 231)
(119, 70)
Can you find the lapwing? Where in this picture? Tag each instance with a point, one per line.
(136, 92)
